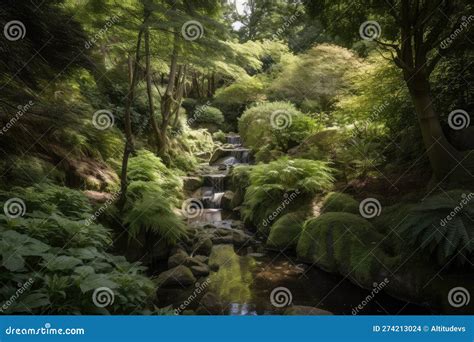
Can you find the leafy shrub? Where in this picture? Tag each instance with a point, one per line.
(23, 171)
(277, 126)
(244, 91)
(208, 114)
(147, 167)
(63, 259)
(219, 136)
(360, 152)
(153, 194)
(316, 78)
(281, 186)
(49, 199)
(442, 225)
(189, 104)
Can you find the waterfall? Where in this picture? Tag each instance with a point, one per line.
(214, 189)
(241, 155)
(233, 139)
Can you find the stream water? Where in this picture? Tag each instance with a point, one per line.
(247, 275)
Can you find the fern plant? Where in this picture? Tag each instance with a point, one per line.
(281, 186)
(443, 225)
(153, 194)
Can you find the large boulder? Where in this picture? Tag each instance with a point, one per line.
(339, 202)
(201, 270)
(346, 244)
(177, 276)
(203, 246)
(191, 184)
(285, 232)
(226, 201)
(177, 259)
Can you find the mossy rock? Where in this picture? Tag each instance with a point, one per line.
(285, 232)
(343, 243)
(340, 202)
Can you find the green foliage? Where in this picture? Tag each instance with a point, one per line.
(147, 167)
(442, 226)
(281, 186)
(63, 259)
(208, 114)
(316, 78)
(277, 124)
(339, 202)
(219, 136)
(50, 199)
(243, 91)
(359, 153)
(152, 196)
(343, 243)
(27, 169)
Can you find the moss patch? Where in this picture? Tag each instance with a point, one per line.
(285, 232)
(343, 243)
(339, 202)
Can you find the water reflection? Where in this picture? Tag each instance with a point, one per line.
(232, 282)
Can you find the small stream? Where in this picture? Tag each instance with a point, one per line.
(246, 276)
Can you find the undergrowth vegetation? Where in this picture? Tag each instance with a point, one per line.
(64, 258)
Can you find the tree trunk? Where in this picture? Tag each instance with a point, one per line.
(167, 99)
(442, 155)
(129, 144)
(151, 106)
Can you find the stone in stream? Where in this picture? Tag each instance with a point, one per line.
(226, 200)
(177, 259)
(301, 310)
(191, 184)
(177, 276)
(203, 247)
(201, 258)
(200, 270)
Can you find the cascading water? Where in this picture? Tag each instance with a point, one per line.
(241, 155)
(233, 139)
(213, 190)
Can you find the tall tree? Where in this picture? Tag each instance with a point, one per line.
(411, 32)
